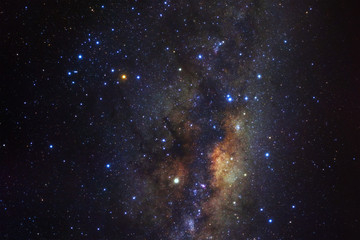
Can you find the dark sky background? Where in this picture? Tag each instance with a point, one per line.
(179, 120)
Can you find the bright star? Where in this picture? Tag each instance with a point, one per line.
(80, 56)
(176, 180)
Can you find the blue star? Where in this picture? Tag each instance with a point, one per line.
(97, 42)
(259, 76)
(80, 56)
(69, 73)
(51, 146)
(108, 165)
(246, 98)
(293, 206)
(270, 220)
(137, 77)
(200, 56)
(229, 98)
(163, 140)
(267, 154)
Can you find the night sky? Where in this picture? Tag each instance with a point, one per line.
(179, 120)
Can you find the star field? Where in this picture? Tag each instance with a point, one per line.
(179, 120)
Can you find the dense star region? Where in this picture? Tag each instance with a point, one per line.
(178, 120)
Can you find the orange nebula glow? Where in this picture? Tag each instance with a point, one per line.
(228, 175)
